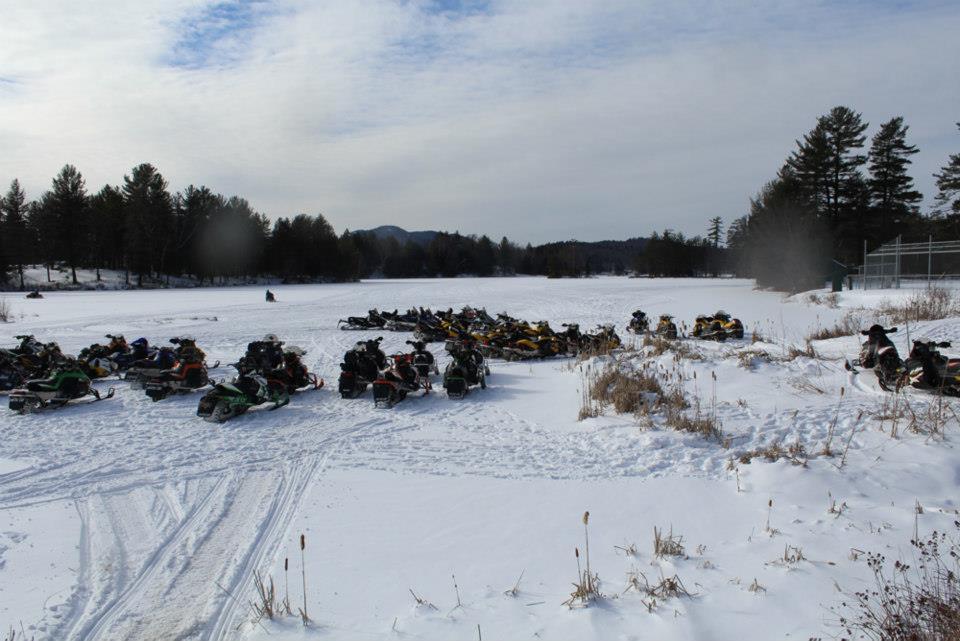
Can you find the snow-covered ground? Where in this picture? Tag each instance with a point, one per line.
(129, 519)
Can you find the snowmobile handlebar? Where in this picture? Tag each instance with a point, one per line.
(866, 332)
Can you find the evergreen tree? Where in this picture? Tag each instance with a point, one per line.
(715, 230)
(947, 202)
(891, 192)
(107, 208)
(14, 209)
(70, 211)
(42, 230)
(149, 214)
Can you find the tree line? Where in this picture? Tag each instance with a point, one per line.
(151, 234)
(825, 202)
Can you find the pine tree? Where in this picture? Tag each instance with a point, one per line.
(891, 191)
(148, 216)
(824, 171)
(107, 209)
(947, 202)
(715, 230)
(70, 209)
(14, 208)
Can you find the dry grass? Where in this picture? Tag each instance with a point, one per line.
(667, 587)
(750, 358)
(697, 423)
(626, 392)
(266, 605)
(4, 311)
(849, 325)
(794, 352)
(658, 345)
(668, 544)
(795, 453)
(934, 303)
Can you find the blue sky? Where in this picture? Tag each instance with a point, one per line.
(539, 119)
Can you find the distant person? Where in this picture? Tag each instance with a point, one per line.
(270, 297)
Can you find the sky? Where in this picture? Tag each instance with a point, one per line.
(536, 119)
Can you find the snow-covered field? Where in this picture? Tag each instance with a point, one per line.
(129, 519)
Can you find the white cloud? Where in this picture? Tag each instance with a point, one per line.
(540, 119)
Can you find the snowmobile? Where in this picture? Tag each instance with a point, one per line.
(639, 323)
(262, 356)
(927, 369)
(718, 327)
(140, 350)
(430, 330)
(880, 354)
(527, 348)
(147, 369)
(294, 373)
(28, 345)
(466, 370)
(423, 361)
(402, 322)
(666, 328)
(373, 320)
(603, 339)
(398, 380)
(227, 400)
(572, 339)
(189, 374)
(360, 367)
(66, 383)
(12, 372)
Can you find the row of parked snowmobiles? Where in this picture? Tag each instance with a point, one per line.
(493, 337)
(393, 378)
(717, 327)
(41, 376)
(925, 367)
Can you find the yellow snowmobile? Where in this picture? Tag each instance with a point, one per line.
(718, 327)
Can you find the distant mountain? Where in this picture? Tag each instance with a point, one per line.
(402, 235)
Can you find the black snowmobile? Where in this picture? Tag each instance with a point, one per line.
(67, 382)
(373, 320)
(397, 381)
(666, 328)
(265, 355)
(466, 370)
(880, 354)
(360, 367)
(227, 400)
(639, 323)
(572, 339)
(402, 322)
(423, 361)
(927, 369)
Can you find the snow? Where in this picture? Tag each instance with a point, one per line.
(129, 519)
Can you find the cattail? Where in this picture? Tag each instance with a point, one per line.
(286, 582)
(586, 536)
(303, 569)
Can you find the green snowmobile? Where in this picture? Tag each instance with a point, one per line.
(67, 382)
(227, 400)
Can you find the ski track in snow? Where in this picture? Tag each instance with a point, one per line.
(176, 514)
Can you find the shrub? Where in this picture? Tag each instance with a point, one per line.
(909, 602)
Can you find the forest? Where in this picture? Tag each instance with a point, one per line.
(828, 200)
